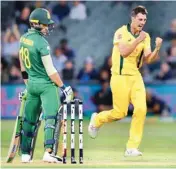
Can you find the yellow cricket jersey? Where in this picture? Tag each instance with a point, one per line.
(130, 64)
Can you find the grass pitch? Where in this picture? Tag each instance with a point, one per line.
(106, 151)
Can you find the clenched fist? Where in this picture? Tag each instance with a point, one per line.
(158, 42)
(141, 36)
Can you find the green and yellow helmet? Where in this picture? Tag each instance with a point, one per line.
(41, 16)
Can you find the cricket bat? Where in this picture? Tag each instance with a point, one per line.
(57, 131)
(15, 141)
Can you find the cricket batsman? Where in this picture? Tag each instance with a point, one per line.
(131, 47)
(42, 82)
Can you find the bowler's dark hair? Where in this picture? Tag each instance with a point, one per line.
(139, 9)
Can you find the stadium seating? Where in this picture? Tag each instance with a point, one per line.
(93, 36)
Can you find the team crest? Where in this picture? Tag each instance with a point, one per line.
(48, 14)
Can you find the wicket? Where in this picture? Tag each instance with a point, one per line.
(80, 116)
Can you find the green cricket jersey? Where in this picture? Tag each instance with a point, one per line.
(32, 47)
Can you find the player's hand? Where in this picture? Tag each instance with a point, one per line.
(68, 93)
(22, 95)
(158, 42)
(141, 36)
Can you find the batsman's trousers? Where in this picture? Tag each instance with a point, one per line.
(39, 95)
(127, 89)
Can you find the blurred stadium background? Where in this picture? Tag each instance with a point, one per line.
(81, 49)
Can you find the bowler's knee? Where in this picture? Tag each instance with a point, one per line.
(117, 115)
(140, 110)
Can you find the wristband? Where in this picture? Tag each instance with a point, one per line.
(63, 87)
(24, 75)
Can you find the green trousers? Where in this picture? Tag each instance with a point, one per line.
(45, 96)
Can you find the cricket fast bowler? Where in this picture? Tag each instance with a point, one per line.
(131, 47)
(42, 85)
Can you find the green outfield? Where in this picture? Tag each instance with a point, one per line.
(158, 147)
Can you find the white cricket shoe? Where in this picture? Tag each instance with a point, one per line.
(132, 152)
(25, 158)
(92, 130)
(50, 158)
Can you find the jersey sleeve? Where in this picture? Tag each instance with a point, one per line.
(43, 47)
(147, 44)
(119, 36)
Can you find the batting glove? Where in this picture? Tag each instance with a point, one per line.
(68, 93)
(22, 95)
